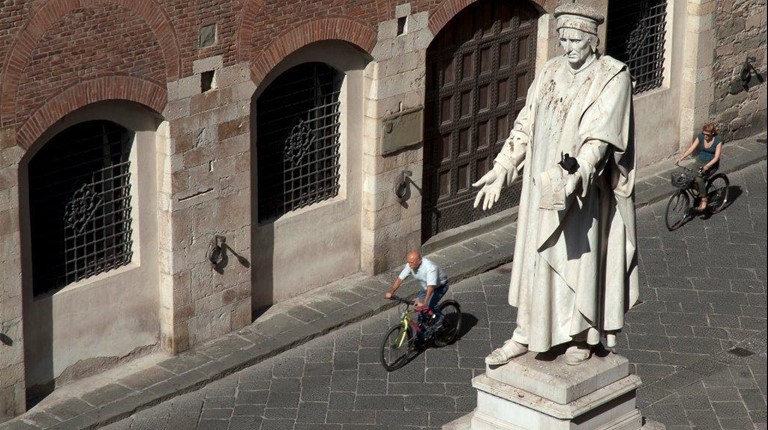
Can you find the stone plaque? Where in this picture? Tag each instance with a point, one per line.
(401, 130)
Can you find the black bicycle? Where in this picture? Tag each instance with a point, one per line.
(680, 207)
(404, 340)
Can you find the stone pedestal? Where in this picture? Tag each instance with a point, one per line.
(548, 394)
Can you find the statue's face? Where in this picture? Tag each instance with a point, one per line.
(577, 46)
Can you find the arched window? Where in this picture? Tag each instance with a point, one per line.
(80, 204)
(298, 139)
(635, 35)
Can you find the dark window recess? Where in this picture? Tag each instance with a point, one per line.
(401, 25)
(298, 139)
(206, 81)
(635, 35)
(80, 204)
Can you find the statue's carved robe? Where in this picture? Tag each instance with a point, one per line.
(574, 268)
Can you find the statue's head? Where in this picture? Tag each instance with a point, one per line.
(577, 31)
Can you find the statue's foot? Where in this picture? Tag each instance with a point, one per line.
(510, 350)
(578, 353)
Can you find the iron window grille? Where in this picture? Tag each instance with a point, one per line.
(80, 205)
(298, 139)
(636, 32)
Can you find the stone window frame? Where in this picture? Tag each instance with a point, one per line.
(145, 125)
(346, 59)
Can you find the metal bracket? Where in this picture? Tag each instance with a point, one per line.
(215, 251)
(401, 189)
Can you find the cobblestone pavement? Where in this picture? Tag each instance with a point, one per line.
(698, 341)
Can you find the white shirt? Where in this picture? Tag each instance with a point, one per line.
(428, 274)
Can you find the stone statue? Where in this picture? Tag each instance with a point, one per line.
(574, 273)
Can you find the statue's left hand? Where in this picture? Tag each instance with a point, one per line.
(491, 184)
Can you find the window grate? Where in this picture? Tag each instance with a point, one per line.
(298, 140)
(635, 35)
(80, 205)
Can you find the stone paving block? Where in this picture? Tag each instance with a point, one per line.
(371, 371)
(278, 424)
(675, 332)
(426, 402)
(283, 400)
(288, 368)
(415, 388)
(41, 419)
(68, 409)
(106, 394)
(315, 388)
(379, 403)
(318, 369)
(305, 314)
(704, 420)
(212, 424)
(312, 412)
(314, 426)
(280, 413)
(358, 416)
(371, 386)
(286, 385)
(252, 397)
(245, 422)
(341, 401)
(248, 410)
(344, 380)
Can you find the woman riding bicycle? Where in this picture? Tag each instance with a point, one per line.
(709, 147)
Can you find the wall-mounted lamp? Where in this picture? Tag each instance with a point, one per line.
(744, 79)
(401, 186)
(215, 252)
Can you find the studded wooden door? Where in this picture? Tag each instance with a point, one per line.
(479, 68)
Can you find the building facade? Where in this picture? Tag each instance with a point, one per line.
(170, 168)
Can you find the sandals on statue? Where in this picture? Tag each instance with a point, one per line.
(507, 352)
(577, 354)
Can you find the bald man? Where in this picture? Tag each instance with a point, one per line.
(434, 282)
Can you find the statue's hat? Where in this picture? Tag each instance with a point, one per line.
(578, 16)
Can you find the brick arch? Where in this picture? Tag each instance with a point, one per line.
(85, 93)
(246, 27)
(307, 32)
(447, 9)
(49, 13)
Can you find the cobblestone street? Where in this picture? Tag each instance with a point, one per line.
(698, 341)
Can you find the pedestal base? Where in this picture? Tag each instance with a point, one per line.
(527, 393)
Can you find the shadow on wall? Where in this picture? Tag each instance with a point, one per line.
(262, 244)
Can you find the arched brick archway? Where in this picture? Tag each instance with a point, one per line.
(307, 32)
(49, 13)
(85, 93)
(246, 27)
(447, 9)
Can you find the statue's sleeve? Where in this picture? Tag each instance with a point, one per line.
(513, 151)
(605, 125)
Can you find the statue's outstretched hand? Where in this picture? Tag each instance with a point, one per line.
(491, 184)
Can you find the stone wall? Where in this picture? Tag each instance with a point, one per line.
(11, 326)
(391, 228)
(740, 32)
(204, 192)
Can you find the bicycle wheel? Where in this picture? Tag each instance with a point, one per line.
(395, 348)
(677, 210)
(451, 323)
(717, 193)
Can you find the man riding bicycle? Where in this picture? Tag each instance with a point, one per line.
(434, 284)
